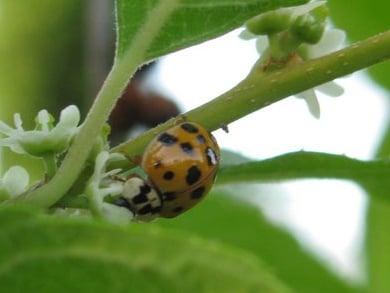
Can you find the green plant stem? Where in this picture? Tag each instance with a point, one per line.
(50, 163)
(259, 90)
(123, 68)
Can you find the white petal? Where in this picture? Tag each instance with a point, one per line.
(116, 214)
(100, 164)
(331, 89)
(15, 180)
(18, 121)
(331, 41)
(113, 189)
(305, 8)
(246, 35)
(65, 129)
(112, 172)
(5, 129)
(69, 117)
(13, 144)
(261, 44)
(114, 157)
(311, 100)
(43, 120)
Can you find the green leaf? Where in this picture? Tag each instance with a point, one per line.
(49, 254)
(300, 165)
(361, 20)
(192, 22)
(222, 218)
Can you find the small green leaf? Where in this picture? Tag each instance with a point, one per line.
(232, 158)
(222, 218)
(48, 254)
(299, 165)
(192, 22)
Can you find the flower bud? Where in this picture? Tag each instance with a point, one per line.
(269, 23)
(13, 183)
(307, 29)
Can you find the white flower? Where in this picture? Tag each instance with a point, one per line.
(101, 185)
(44, 139)
(332, 40)
(13, 183)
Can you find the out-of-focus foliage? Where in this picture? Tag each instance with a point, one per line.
(41, 59)
(362, 19)
(225, 219)
(53, 254)
(40, 56)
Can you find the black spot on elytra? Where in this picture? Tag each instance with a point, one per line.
(169, 175)
(145, 209)
(189, 127)
(186, 147)
(193, 175)
(140, 198)
(197, 193)
(177, 209)
(169, 196)
(211, 156)
(201, 138)
(167, 139)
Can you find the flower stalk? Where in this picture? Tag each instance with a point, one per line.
(50, 163)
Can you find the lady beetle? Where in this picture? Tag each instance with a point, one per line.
(181, 164)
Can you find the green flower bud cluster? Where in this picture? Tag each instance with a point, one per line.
(46, 141)
(310, 27)
(288, 28)
(269, 23)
